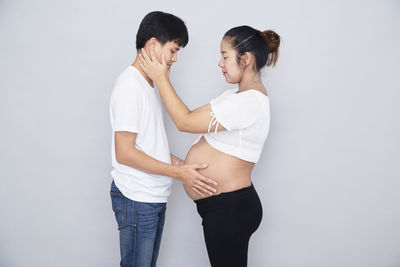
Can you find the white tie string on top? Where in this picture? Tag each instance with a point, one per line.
(213, 121)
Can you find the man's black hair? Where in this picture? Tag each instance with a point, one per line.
(164, 27)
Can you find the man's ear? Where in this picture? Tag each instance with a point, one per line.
(151, 43)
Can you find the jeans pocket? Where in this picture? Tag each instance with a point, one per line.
(119, 207)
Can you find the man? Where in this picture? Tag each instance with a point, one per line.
(142, 163)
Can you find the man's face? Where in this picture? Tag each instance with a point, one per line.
(169, 49)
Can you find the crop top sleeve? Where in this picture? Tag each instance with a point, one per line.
(235, 111)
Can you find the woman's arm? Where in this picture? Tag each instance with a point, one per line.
(196, 121)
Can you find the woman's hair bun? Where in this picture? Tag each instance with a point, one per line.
(273, 41)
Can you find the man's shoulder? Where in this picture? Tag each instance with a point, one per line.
(128, 77)
(128, 83)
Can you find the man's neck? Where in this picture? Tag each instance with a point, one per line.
(137, 66)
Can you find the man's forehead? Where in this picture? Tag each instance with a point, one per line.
(173, 44)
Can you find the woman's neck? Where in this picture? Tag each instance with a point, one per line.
(251, 80)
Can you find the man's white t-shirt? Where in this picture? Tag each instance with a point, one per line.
(135, 107)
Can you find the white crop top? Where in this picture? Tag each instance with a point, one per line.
(246, 118)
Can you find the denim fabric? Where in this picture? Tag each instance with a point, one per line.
(140, 228)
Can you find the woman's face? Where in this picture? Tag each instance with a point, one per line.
(231, 70)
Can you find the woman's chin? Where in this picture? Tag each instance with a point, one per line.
(230, 81)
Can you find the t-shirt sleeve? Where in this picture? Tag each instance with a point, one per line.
(127, 109)
(236, 111)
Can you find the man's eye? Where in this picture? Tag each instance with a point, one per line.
(225, 57)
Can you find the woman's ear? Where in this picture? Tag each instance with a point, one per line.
(246, 58)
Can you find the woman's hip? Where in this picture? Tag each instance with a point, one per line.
(238, 203)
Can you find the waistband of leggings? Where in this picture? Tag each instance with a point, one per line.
(231, 194)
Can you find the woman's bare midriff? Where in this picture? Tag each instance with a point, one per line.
(231, 173)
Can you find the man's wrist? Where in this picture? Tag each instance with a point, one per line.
(179, 162)
(174, 172)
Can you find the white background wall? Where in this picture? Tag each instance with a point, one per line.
(329, 174)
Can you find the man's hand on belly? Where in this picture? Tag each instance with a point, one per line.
(192, 179)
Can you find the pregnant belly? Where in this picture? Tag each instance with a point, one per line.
(231, 173)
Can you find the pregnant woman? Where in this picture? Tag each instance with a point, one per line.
(233, 128)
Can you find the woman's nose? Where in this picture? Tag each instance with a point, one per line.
(220, 63)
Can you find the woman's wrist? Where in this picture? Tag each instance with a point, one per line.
(161, 79)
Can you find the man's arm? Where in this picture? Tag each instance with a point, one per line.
(127, 154)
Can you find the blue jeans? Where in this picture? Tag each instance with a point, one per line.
(140, 228)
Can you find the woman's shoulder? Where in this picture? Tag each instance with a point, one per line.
(248, 97)
(224, 95)
(230, 92)
(251, 95)
(254, 93)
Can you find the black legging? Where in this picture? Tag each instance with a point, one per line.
(229, 219)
